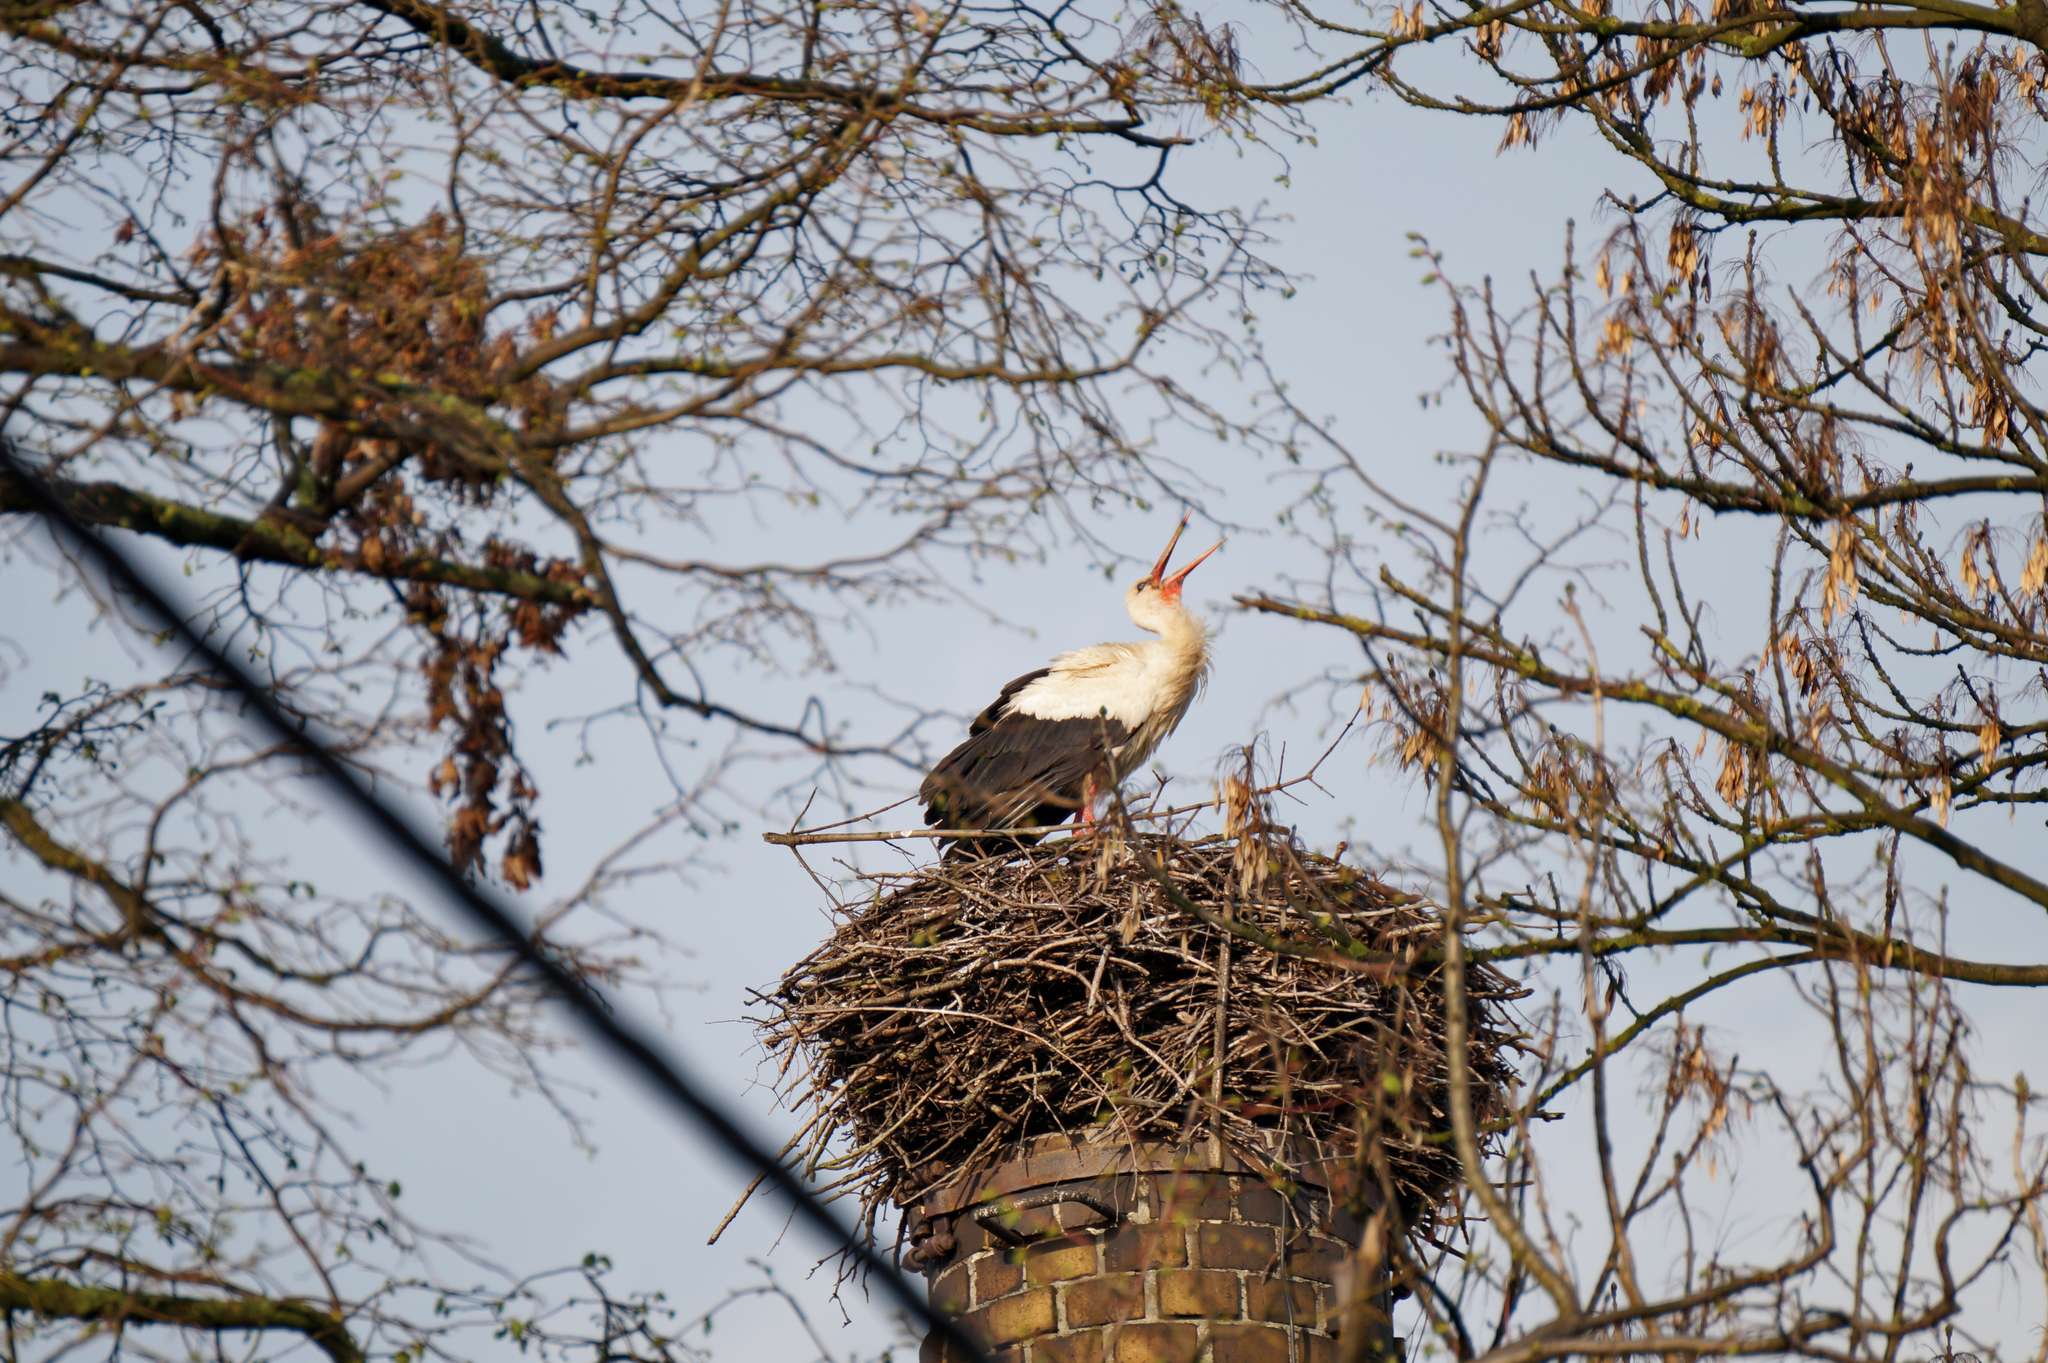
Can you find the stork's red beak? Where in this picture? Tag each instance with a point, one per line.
(1170, 586)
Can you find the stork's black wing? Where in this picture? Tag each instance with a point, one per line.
(996, 708)
(1017, 770)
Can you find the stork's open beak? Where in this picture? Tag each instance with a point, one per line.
(1171, 585)
(1166, 554)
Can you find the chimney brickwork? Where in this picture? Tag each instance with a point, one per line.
(1097, 1254)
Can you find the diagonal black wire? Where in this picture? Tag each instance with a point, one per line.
(621, 1037)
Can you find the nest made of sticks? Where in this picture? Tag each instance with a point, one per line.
(1079, 987)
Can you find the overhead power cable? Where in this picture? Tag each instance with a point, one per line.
(624, 1039)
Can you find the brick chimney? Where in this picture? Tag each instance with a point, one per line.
(1109, 1253)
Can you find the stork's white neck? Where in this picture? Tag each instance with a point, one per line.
(1183, 642)
(1180, 631)
(1179, 661)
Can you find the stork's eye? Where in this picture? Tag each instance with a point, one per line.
(1144, 584)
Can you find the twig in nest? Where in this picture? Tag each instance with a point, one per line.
(1078, 986)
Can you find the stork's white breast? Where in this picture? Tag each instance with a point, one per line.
(1117, 680)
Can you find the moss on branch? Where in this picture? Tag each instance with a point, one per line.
(69, 1301)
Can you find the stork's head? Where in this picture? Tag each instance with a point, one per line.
(1154, 600)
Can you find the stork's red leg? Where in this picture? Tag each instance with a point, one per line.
(1088, 802)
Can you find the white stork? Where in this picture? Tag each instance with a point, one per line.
(1058, 737)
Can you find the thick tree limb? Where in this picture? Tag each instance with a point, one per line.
(67, 1301)
(275, 539)
(494, 57)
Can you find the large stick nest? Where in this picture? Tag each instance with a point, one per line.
(1078, 986)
